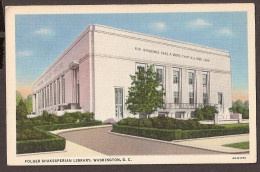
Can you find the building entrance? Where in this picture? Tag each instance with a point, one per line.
(119, 102)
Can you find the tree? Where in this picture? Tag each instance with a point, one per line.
(240, 107)
(18, 97)
(145, 95)
(205, 113)
(28, 102)
(21, 110)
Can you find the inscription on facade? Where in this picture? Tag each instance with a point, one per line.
(171, 54)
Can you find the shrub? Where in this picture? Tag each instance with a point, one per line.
(144, 123)
(169, 135)
(162, 122)
(21, 110)
(69, 125)
(30, 134)
(33, 136)
(205, 113)
(39, 139)
(42, 145)
(240, 107)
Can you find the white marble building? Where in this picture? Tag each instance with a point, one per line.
(93, 74)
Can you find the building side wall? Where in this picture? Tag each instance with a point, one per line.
(84, 77)
(79, 52)
(76, 52)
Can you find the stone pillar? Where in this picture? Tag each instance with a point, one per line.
(74, 86)
(185, 86)
(44, 101)
(168, 84)
(49, 99)
(34, 102)
(60, 90)
(240, 118)
(37, 103)
(41, 98)
(208, 87)
(216, 119)
(40, 105)
(199, 87)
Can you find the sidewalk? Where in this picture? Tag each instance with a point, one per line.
(71, 149)
(207, 143)
(216, 143)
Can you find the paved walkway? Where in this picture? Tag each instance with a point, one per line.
(216, 143)
(100, 140)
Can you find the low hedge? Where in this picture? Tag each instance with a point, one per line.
(50, 142)
(168, 123)
(177, 134)
(68, 125)
(55, 143)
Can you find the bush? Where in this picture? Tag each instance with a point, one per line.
(162, 122)
(42, 145)
(205, 113)
(21, 110)
(30, 134)
(43, 141)
(33, 136)
(144, 123)
(69, 125)
(243, 108)
(169, 135)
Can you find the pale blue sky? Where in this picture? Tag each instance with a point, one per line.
(40, 39)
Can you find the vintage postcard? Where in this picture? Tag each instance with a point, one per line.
(130, 84)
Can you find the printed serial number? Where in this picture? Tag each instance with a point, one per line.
(239, 157)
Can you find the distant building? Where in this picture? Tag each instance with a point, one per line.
(93, 74)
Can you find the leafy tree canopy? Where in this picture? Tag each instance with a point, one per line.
(240, 107)
(18, 97)
(21, 110)
(145, 95)
(205, 113)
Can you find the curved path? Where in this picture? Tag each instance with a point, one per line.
(100, 140)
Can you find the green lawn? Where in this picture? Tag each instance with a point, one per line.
(241, 145)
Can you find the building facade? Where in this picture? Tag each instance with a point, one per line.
(93, 74)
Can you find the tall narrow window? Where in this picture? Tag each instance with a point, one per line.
(205, 98)
(139, 66)
(176, 97)
(220, 99)
(191, 98)
(119, 102)
(160, 74)
(204, 79)
(175, 76)
(191, 77)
